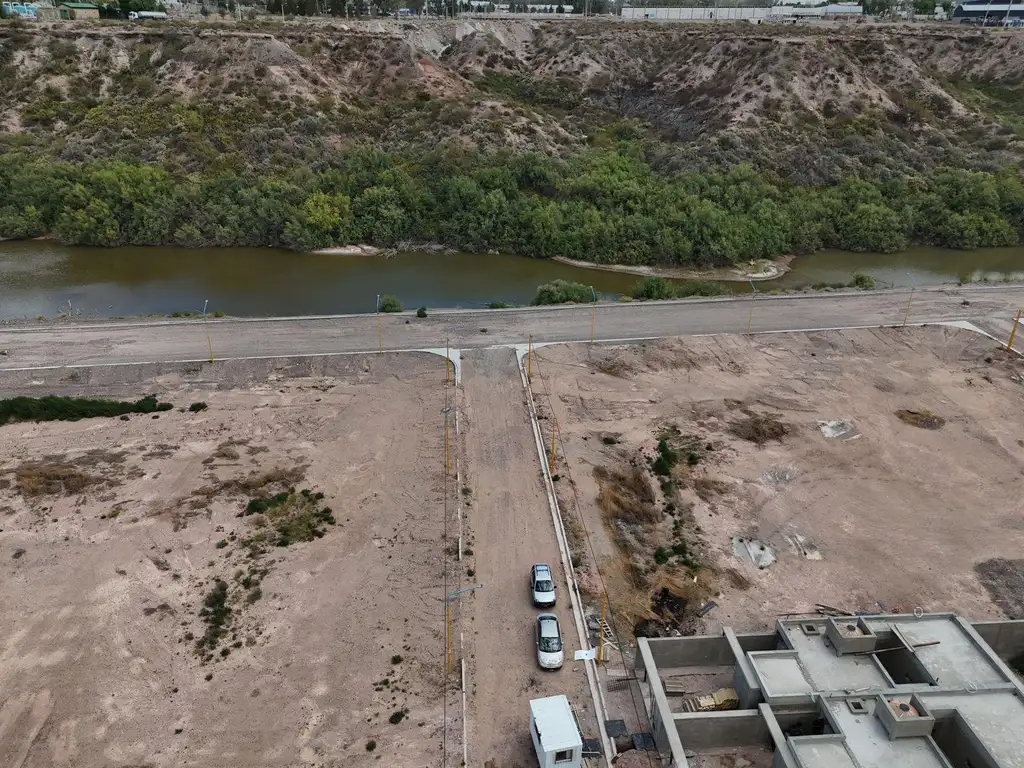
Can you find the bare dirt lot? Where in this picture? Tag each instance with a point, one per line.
(909, 500)
(169, 601)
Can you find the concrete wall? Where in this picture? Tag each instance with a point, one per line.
(959, 744)
(701, 731)
(704, 651)
(1006, 638)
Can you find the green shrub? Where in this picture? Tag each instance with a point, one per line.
(665, 460)
(53, 408)
(389, 303)
(862, 281)
(197, 407)
(497, 305)
(661, 556)
(686, 288)
(421, 312)
(216, 614)
(563, 292)
(653, 289)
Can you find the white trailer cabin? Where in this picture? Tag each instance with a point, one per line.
(556, 737)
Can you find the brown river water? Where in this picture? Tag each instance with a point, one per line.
(41, 277)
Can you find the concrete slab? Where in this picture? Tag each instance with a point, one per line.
(830, 672)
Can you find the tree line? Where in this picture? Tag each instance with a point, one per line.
(597, 205)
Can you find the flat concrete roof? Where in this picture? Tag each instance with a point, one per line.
(996, 717)
(836, 673)
(867, 739)
(812, 697)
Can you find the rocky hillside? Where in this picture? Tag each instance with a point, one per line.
(811, 104)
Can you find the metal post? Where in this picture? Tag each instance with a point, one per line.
(529, 357)
(206, 327)
(447, 360)
(1013, 331)
(448, 623)
(380, 333)
(447, 451)
(593, 315)
(906, 313)
(551, 457)
(600, 633)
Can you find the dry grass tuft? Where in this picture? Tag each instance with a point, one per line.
(759, 428)
(922, 419)
(614, 366)
(626, 494)
(226, 451)
(707, 488)
(52, 478)
(255, 483)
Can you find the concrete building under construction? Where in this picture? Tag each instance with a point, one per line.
(923, 690)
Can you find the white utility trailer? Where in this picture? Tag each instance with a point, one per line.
(556, 736)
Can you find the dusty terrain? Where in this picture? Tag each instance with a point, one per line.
(114, 534)
(888, 516)
(903, 96)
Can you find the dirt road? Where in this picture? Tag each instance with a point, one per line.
(106, 343)
(511, 529)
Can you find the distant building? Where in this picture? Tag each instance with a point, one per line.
(990, 14)
(917, 690)
(78, 11)
(754, 15)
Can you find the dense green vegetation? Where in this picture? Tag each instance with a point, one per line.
(53, 408)
(605, 205)
(658, 288)
(564, 292)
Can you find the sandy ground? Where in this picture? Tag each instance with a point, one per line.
(897, 518)
(511, 529)
(97, 659)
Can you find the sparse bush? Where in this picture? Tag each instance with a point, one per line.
(389, 303)
(397, 716)
(863, 282)
(665, 460)
(497, 305)
(421, 312)
(653, 289)
(563, 292)
(396, 659)
(216, 614)
(197, 407)
(759, 428)
(288, 517)
(371, 745)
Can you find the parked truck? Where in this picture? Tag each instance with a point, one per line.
(147, 16)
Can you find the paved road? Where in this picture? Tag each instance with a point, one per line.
(170, 340)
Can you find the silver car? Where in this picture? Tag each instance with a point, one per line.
(549, 642)
(542, 586)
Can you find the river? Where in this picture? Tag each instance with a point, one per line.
(41, 277)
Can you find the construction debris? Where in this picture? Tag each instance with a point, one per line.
(721, 700)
